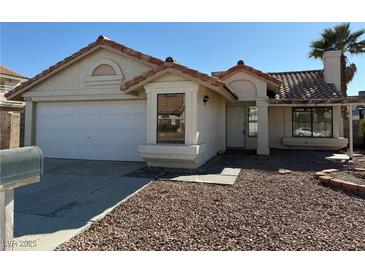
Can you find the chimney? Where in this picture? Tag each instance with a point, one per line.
(332, 67)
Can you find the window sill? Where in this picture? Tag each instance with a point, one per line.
(173, 155)
(316, 142)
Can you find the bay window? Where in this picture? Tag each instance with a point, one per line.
(312, 122)
(171, 118)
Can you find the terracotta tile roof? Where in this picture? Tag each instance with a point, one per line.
(304, 85)
(101, 41)
(250, 70)
(7, 71)
(291, 85)
(205, 79)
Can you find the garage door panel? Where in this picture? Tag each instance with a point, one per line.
(91, 130)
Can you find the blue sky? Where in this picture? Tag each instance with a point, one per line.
(32, 47)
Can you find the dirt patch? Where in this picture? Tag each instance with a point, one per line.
(350, 176)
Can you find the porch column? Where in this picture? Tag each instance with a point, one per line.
(351, 139)
(29, 123)
(151, 117)
(262, 127)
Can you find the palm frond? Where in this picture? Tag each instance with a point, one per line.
(342, 33)
(356, 48)
(339, 37)
(353, 37)
(350, 72)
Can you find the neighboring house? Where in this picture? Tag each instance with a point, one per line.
(358, 112)
(10, 111)
(9, 79)
(110, 102)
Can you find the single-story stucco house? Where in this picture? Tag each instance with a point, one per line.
(110, 102)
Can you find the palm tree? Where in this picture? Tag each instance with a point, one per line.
(341, 38)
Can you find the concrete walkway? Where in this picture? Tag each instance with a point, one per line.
(226, 177)
(71, 195)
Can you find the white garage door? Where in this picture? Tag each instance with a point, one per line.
(91, 130)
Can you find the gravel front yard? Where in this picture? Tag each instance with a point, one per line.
(262, 211)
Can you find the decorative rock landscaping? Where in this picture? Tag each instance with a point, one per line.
(263, 210)
(350, 177)
(328, 180)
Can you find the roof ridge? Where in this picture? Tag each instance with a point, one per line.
(248, 69)
(182, 69)
(194, 70)
(296, 71)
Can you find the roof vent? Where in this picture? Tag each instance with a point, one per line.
(240, 62)
(102, 37)
(169, 59)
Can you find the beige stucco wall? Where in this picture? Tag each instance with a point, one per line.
(279, 125)
(204, 124)
(211, 124)
(246, 87)
(332, 67)
(73, 82)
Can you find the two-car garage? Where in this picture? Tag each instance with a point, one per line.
(77, 110)
(97, 130)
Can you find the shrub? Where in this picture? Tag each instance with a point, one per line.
(361, 129)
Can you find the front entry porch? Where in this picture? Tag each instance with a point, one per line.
(236, 127)
(247, 127)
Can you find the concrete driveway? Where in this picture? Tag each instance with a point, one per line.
(71, 195)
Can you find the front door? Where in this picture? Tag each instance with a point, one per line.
(235, 127)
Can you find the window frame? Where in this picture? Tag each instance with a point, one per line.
(311, 123)
(252, 121)
(115, 73)
(157, 114)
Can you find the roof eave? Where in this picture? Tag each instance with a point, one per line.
(16, 77)
(223, 90)
(101, 42)
(48, 72)
(341, 100)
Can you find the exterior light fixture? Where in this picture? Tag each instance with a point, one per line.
(205, 99)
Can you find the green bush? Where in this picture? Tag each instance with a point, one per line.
(361, 129)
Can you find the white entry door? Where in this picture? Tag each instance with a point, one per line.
(235, 127)
(105, 130)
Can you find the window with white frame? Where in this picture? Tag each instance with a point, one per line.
(171, 118)
(312, 122)
(252, 121)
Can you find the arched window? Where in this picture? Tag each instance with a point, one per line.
(103, 70)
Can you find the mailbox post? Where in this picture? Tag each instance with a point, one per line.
(18, 167)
